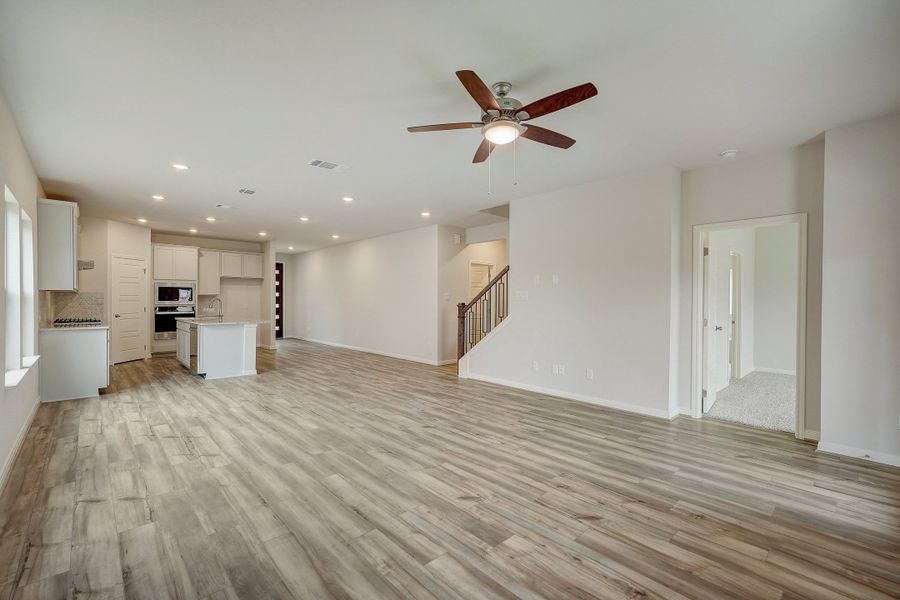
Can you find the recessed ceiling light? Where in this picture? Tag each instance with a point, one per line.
(158, 197)
(335, 236)
(142, 220)
(304, 219)
(263, 233)
(290, 247)
(348, 199)
(211, 219)
(193, 230)
(730, 153)
(425, 213)
(180, 167)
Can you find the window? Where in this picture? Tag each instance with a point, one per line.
(12, 280)
(19, 287)
(29, 348)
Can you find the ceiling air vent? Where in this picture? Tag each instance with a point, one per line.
(328, 166)
(247, 191)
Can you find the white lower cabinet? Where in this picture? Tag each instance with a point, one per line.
(74, 362)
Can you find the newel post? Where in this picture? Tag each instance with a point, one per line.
(460, 330)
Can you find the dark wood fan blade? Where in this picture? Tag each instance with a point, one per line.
(484, 150)
(478, 90)
(445, 126)
(559, 100)
(545, 136)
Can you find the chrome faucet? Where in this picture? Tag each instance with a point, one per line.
(209, 306)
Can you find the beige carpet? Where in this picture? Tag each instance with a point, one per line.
(764, 400)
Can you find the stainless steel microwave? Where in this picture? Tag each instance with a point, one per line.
(174, 293)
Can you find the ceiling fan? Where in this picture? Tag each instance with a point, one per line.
(503, 119)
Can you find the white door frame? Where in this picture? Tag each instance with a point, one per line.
(148, 280)
(700, 236)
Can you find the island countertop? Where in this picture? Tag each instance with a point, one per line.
(215, 321)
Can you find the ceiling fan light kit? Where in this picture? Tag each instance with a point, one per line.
(502, 131)
(502, 116)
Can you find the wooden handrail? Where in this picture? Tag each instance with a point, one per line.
(485, 290)
(479, 316)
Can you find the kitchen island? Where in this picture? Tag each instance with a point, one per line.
(217, 349)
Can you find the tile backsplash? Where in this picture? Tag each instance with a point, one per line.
(78, 305)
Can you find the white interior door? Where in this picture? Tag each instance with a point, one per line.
(479, 277)
(128, 335)
(717, 317)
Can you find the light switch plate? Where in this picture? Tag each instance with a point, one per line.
(536, 366)
(536, 280)
(562, 369)
(556, 369)
(521, 295)
(555, 279)
(589, 373)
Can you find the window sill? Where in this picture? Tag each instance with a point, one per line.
(15, 377)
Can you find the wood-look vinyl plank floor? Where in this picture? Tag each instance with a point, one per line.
(335, 474)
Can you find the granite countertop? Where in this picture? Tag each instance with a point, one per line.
(215, 321)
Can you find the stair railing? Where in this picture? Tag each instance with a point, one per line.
(484, 312)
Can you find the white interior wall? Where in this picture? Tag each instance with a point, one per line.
(17, 403)
(610, 244)
(378, 295)
(777, 183)
(861, 291)
(93, 244)
(487, 233)
(775, 298)
(453, 278)
(743, 242)
(157, 237)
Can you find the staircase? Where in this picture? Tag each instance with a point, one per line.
(486, 310)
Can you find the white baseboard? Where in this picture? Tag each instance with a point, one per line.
(862, 453)
(811, 434)
(20, 438)
(776, 371)
(446, 362)
(417, 359)
(641, 410)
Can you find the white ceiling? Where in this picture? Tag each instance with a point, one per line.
(109, 94)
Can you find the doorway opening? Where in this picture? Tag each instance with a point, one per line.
(749, 322)
(279, 300)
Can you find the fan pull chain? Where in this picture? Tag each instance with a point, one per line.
(490, 151)
(515, 177)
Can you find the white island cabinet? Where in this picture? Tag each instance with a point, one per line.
(217, 349)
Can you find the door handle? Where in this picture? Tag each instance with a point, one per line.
(718, 327)
(117, 316)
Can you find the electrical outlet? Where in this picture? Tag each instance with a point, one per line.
(521, 295)
(536, 366)
(589, 373)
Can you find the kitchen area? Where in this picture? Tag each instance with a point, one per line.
(112, 292)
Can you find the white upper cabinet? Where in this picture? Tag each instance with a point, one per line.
(232, 265)
(252, 265)
(208, 274)
(185, 264)
(174, 263)
(242, 264)
(57, 223)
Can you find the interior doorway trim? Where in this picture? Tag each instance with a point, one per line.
(700, 236)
